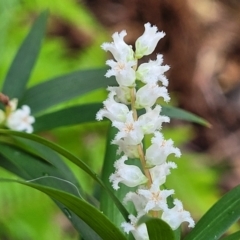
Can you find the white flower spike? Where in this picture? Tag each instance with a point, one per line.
(150, 197)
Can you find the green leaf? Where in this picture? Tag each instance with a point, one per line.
(178, 113)
(66, 117)
(233, 236)
(157, 228)
(219, 218)
(71, 158)
(33, 168)
(23, 63)
(89, 214)
(63, 88)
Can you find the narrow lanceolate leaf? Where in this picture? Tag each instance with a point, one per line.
(89, 214)
(51, 172)
(71, 158)
(234, 236)
(63, 88)
(66, 117)
(23, 63)
(157, 229)
(178, 113)
(219, 218)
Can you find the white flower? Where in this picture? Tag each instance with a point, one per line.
(129, 175)
(129, 130)
(146, 44)
(130, 151)
(158, 152)
(138, 201)
(119, 49)
(139, 232)
(153, 71)
(20, 120)
(112, 110)
(152, 120)
(176, 215)
(123, 94)
(159, 172)
(123, 71)
(147, 95)
(156, 198)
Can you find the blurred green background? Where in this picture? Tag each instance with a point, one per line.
(29, 214)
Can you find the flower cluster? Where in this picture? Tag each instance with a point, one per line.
(139, 88)
(16, 119)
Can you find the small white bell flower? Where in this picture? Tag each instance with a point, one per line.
(147, 95)
(158, 152)
(129, 175)
(20, 120)
(139, 232)
(138, 201)
(156, 198)
(159, 172)
(177, 215)
(123, 94)
(112, 110)
(153, 71)
(123, 71)
(129, 130)
(119, 49)
(130, 151)
(152, 120)
(146, 43)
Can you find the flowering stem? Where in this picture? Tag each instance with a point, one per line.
(139, 147)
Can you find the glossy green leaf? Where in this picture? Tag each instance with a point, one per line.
(23, 63)
(71, 158)
(178, 113)
(157, 229)
(63, 88)
(219, 218)
(33, 168)
(233, 236)
(66, 117)
(89, 214)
